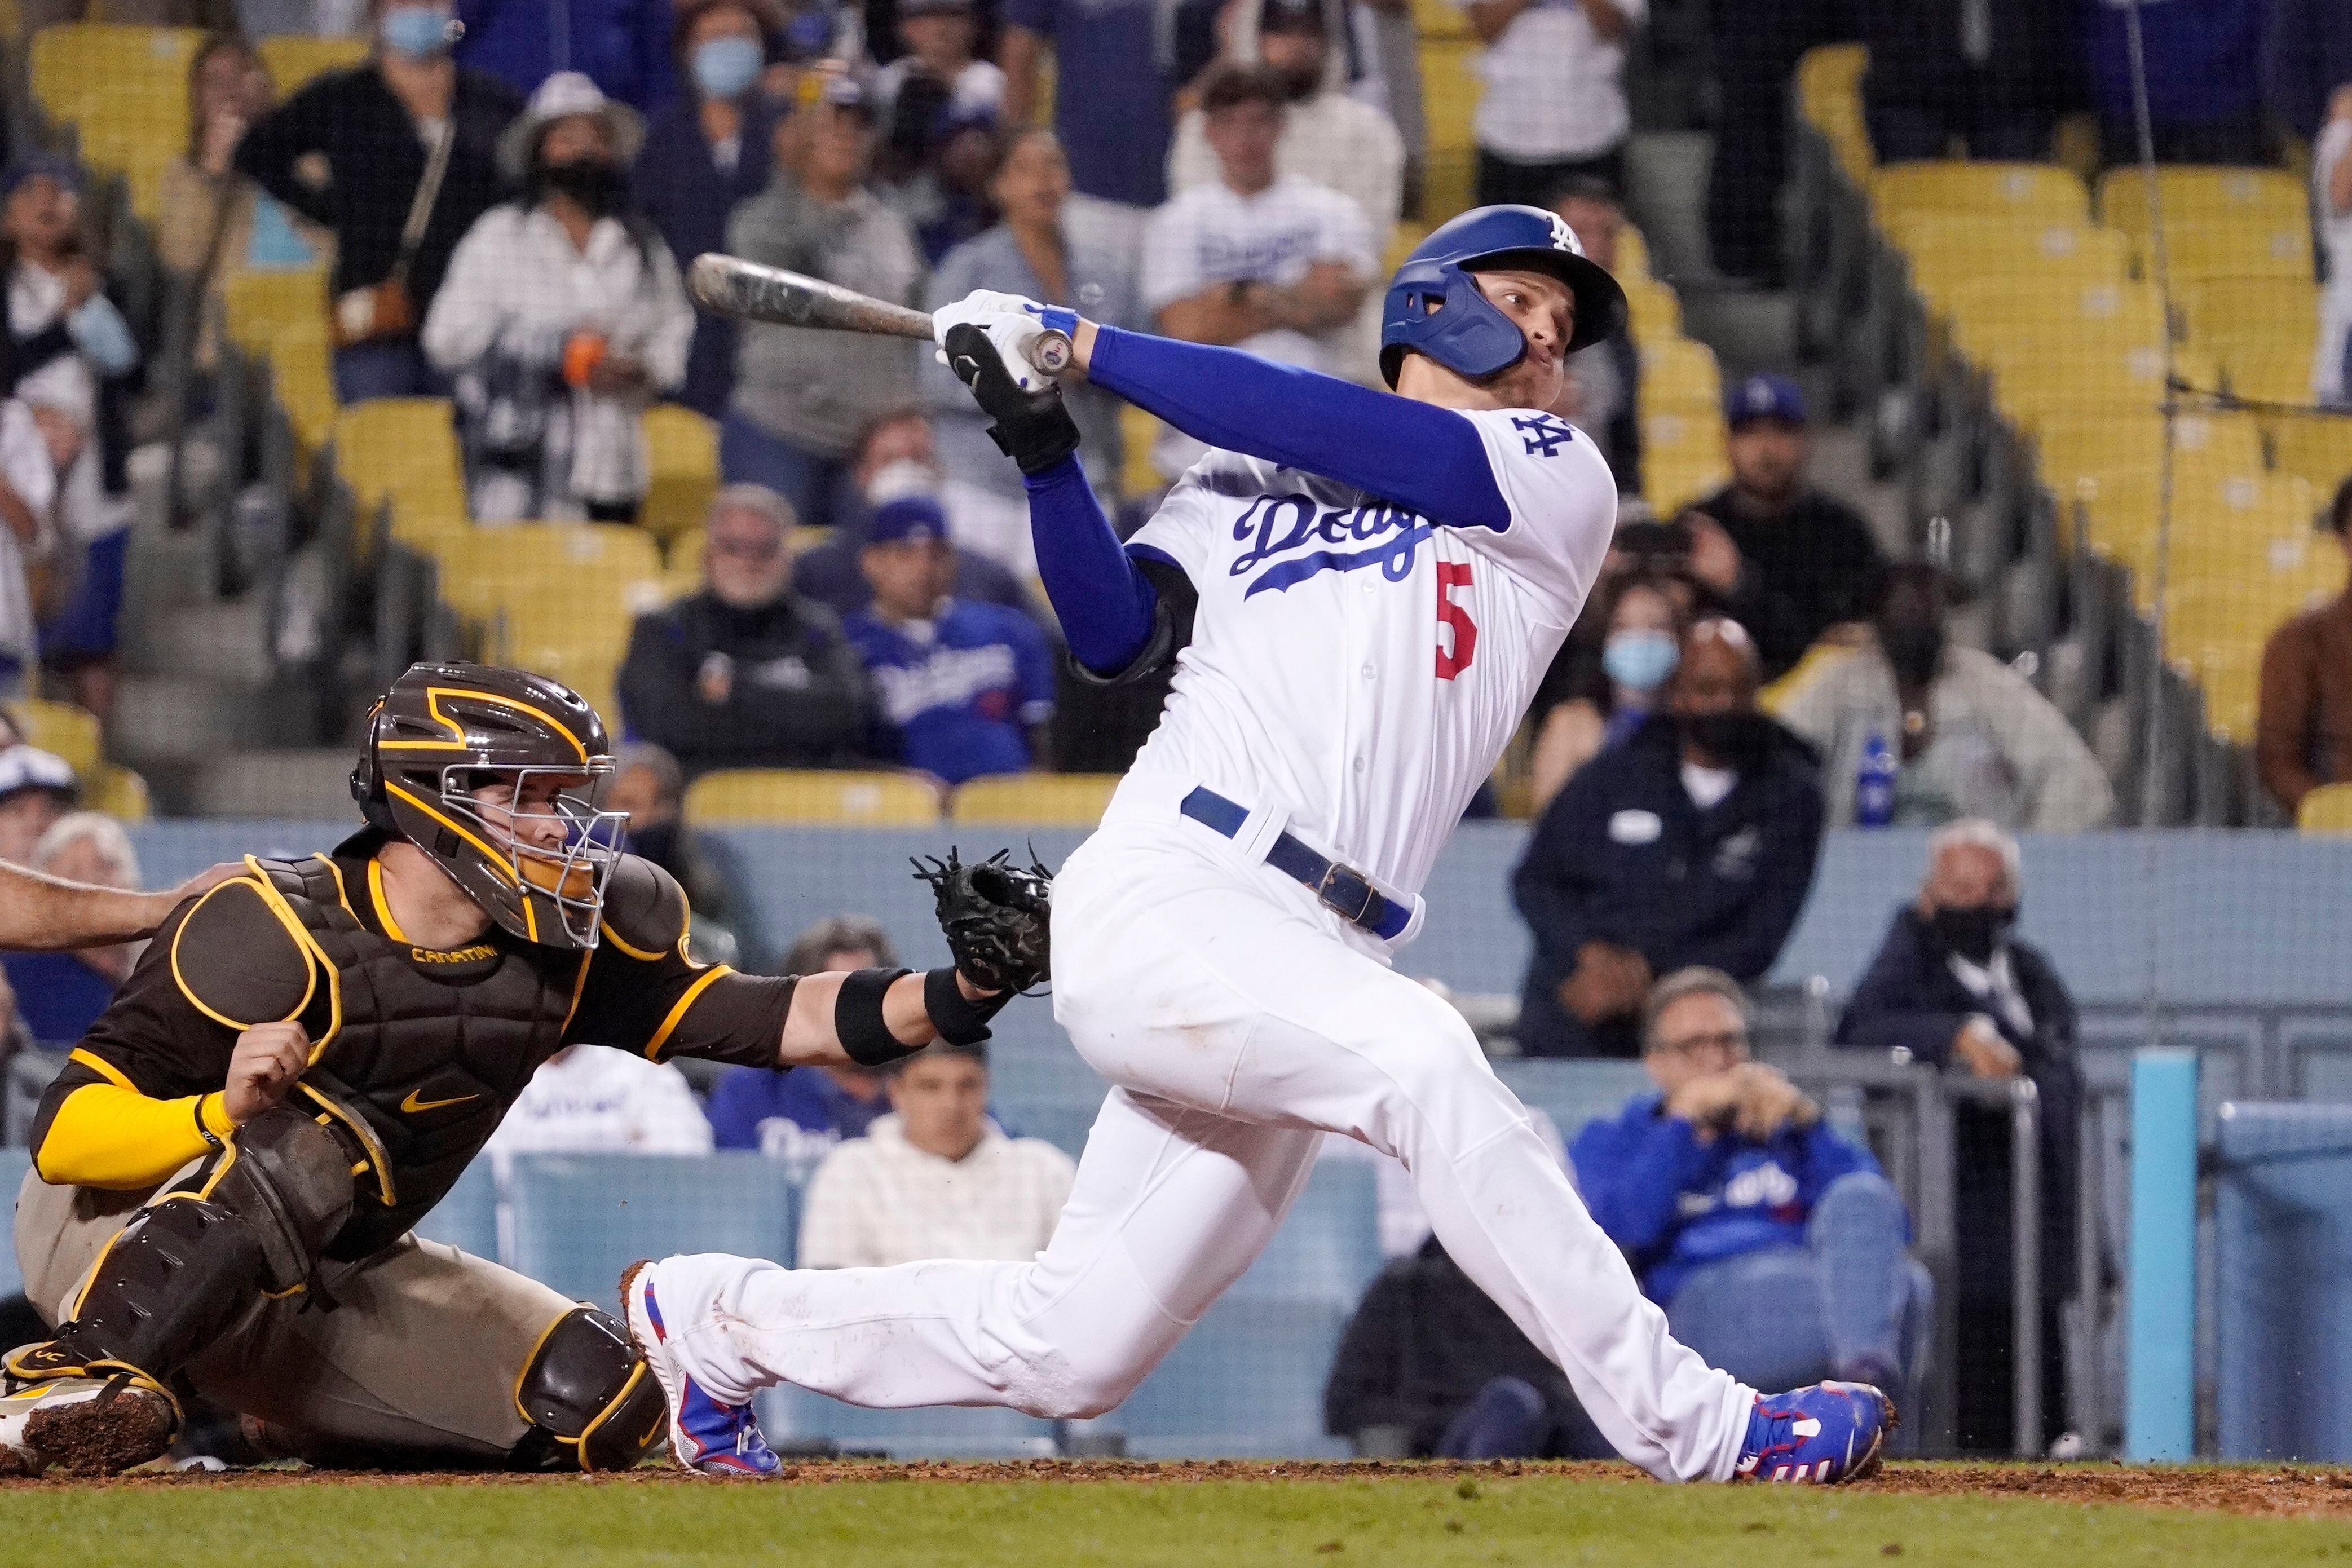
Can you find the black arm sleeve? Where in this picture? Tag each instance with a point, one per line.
(294, 129)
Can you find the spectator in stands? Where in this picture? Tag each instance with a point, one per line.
(1693, 842)
(1954, 987)
(802, 396)
(1272, 263)
(939, 108)
(650, 787)
(747, 673)
(1555, 100)
(73, 361)
(934, 1178)
(1756, 48)
(398, 158)
(622, 46)
(1727, 1189)
(898, 455)
(2331, 179)
(36, 789)
(1429, 1367)
(1788, 561)
(2302, 733)
(967, 687)
(28, 488)
(1031, 253)
(1605, 379)
(707, 153)
(60, 995)
(213, 219)
(1646, 622)
(1970, 736)
(2203, 68)
(1132, 55)
(799, 1116)
(1994, 74)
(560, 317)
(1330, 137)
(2306, 57)
(592, 1099)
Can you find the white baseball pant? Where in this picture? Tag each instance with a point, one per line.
(1238, 1022)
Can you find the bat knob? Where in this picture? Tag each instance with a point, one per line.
(1051, 353)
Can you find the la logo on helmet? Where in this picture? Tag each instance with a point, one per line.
(1563, 237)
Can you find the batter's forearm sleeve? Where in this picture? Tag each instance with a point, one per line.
(1105, 604)
(1415, 453)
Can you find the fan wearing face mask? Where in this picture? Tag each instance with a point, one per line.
(1956, 987)
(1692, 842)
(563, 317)
(1646, 617)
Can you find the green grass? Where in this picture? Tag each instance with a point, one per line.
(1543, 1521)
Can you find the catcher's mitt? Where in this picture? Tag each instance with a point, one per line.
(996, 917)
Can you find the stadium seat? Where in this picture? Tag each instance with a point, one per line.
(580, 1220)
(293, 58)
(120, 793)
(303, 382)
(124, 92)
(1450, 89)
(61, 727)
(1944, 250)
(260, 307)
(1653, 312)
(1246, 1381)
(1633, 253)
(2217, 220)
(2233, 315)
(1682, 458)
(752, 796)
(1435, 19)
(466, 1217)
(1681, 375)
(938, 1432)
(1828, 99)
(404, 449)
(2327, 810)
(591, 571)
(2039, 193)
(1137, 431)
(2316, 446)
(1062, 799)
(552, 638)
(682, 455)
(14, 1163)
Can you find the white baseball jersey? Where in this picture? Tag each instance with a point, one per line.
(1356, 666)
(1212, 234)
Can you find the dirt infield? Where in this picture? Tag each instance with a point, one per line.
(2278, 1490)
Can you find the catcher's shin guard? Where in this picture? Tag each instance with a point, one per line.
(589, 1397)
(189, 1265)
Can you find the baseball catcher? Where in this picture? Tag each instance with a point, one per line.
(308, 1054)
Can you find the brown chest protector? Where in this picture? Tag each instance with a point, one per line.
(419, 1053)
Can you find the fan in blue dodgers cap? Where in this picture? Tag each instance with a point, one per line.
(1359, 591)
(967, 686)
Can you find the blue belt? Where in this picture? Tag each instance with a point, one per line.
(1345, 891)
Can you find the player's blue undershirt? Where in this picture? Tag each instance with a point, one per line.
(1412, 453)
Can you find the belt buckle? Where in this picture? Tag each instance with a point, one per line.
(1338, 885)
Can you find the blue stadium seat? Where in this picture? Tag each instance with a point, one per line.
(1573, 1092)
(468, 1217)
(2283, 1249)
(945, 1432)
(14, 1163)
(1329, 1246)
(580, 1220)
(1246, 1382)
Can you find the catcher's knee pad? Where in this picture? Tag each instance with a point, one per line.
(179, 1275)
(589, 1397)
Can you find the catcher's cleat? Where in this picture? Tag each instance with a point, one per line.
(85, 1426)
(705, 1435)
(1828, 1433)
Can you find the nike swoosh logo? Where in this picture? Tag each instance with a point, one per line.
(413, 1104)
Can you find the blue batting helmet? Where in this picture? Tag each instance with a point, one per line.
(1433, 308)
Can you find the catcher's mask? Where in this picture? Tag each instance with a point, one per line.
(499, 776)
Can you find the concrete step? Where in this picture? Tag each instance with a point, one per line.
(162, 719)
(295, 785)
(1749, 330)
(222, 642)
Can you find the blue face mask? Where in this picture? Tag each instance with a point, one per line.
(419, 32)
(1640, 660)
(725, 67)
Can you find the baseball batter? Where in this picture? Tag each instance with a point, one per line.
(1359, 591)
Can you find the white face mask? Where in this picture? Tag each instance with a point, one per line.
(906, 477)
(416, 32)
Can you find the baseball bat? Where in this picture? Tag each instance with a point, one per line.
(733, 287)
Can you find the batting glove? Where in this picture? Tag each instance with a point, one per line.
(1031, 426)
(1013, 325)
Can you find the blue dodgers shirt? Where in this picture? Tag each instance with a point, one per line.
(1112, 57)
(1674, 1204)
(960, 689)
(58, 995)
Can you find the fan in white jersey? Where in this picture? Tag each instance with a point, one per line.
(1359, 591)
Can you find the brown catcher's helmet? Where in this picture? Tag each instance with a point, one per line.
(497, 774)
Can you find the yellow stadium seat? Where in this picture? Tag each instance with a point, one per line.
(1654, 312)
(262, 306)
(1058, 799)
(683, 552)
(65, 730)
(302, 377)
(1829, 80)
(124, 89)
(1682, 458)
(552, 637)
(1680, 375)
(120, 793)
(1434, 20)
(1449, 91)
(2039, 193)
(755, 795)
(2217, 219)
(2105, 443)
(591, 572)
(2327, 810)
(293, 58)
(404, 449)
(2235, 312)
(2318, 448)
(2268, 372)
(1138, 431)
(1632, 254)
(2230, 676)
(1945, 250)
(682, 455)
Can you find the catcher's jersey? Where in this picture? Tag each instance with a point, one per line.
(1359, 666)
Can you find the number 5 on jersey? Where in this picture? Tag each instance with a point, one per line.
(1455, 653)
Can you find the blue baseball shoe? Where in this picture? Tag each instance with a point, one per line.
(705, 1435)
(1829, 1433)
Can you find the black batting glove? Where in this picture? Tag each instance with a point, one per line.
(1032, 428)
